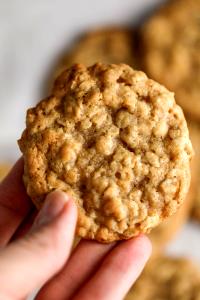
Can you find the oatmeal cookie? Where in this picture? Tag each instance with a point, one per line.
(195, 137)
(107, 45)
(167, 230)
(115, 141)
(167, 278)
(172, 51)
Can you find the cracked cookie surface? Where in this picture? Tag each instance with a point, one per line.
(172, 51)
(114, 140)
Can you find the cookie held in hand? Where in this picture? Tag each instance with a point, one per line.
(115, 141)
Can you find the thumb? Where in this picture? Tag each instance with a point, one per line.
(29, 262)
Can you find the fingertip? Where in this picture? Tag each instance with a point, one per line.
(48, 244)
(140, 249)
(135, 251)
(58, 194)
(144, 245)
(64, 197)
(57, 204)
(71, 206)
(119, 270)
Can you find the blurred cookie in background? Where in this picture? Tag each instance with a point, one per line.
(4, 169)
(167, 278)
(195, 214)
(171, 49)
(106, 45)
(195, 137)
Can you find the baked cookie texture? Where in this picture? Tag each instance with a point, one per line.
(171, 48)
(107, 45)
(161, 235)
(167, 278)
(165, 232)
(116, 142)
(195, 137)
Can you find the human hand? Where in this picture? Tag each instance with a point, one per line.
(40, 256)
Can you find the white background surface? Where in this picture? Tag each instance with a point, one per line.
(32, 35)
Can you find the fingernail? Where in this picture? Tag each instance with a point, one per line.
(53, 206)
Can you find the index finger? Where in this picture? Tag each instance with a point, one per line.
(118, 272)
(14, 202)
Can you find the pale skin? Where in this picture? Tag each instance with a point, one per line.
(35, 251)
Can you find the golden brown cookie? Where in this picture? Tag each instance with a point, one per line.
(107, 45)
(172, 51)
(4, 168)
(115, 141)
(195, 137)
(167, 230)
(167, 278)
